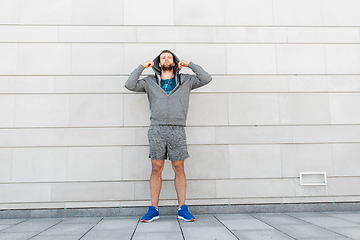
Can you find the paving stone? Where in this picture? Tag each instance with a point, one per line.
(330, 222)
(11, 221)
(208, 233)
(67, 228)
(261, 234)
(58, 237)
(353, 233)
(17, 236)
(202, 221)
(353, 217)
(263, 226)
(306, 231)
(2, 227)
(82, 220)
(160, 225)
(337, 238)
(306, 214)
(109, 234)
(245, 224)
(232, 216)
(116, 223)
(32, 225)
(278, 219)
(159, 236)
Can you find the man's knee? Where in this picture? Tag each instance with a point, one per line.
(157, 166)
(178, 166)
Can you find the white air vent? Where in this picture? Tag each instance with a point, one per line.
(313, 178)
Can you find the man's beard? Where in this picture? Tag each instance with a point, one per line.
(167, 67)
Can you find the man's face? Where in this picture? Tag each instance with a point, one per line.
(166, 61)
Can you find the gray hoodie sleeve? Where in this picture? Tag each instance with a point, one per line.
(133, 83)
(202, 77)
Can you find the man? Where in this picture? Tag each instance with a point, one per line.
(168, 92)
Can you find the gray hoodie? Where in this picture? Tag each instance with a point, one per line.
(168, 109)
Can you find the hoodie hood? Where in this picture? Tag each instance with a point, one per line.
(157, 69)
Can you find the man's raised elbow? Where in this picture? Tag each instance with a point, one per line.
(209, 78)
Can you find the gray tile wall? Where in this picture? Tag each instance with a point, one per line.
(284, 99)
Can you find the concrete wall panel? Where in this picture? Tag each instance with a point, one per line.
(140, 12)
(215, 158)
(97, 34)
(9, 58)
(42, 110)
(7, 109)
(346, 159)
(251, 58)
(34, 137)
(5, 161)
(43, 59)
(300, 59)
(96, 12)
(211, 57)
(255, 161)
(345, 108)
(326, 134)
(10, 11)
(92, 191)
(208, 110)
(238, 188)
(19, 33)
(291, 13)
(97, 59)
(254, 109)
(322, 35)
(136, 110)
(306, 158)
(39, 164)
(45, 12)
(96, 110)
(300, 108)
(90, 84)
(199, 12)
(283, 99)
(23, 193)
(342, 58)
(340, 13)
(258, 12)
(94, 136)
(94, 164)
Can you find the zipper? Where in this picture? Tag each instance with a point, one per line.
(176, 87)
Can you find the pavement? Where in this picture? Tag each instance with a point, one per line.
(262, 226)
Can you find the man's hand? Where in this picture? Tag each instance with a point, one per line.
(148, 64)
(183, 63)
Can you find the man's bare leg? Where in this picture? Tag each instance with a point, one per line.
(180, 181)
(155, 181)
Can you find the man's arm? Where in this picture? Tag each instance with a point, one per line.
(133, 83)
(202, 77)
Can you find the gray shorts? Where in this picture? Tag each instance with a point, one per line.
(167, 141)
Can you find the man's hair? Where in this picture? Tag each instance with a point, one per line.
(167, 51)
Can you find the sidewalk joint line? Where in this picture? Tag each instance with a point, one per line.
(320, 226)
(137, 224)
(226, 227)
(91, 228)
(182, 233)
(272, 226)
(46, 229)
(10, 226)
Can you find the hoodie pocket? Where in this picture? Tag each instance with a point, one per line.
(176, 109)
(158, 109)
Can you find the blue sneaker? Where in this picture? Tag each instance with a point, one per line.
(151, 215)
(184, 214)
